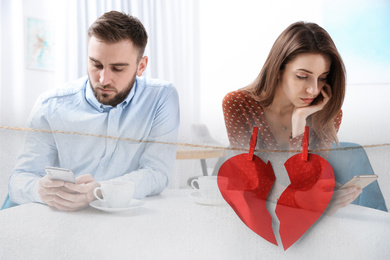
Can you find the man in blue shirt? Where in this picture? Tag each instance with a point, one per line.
(113, 124)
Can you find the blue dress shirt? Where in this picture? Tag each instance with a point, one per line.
(142, 132)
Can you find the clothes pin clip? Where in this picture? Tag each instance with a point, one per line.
(305, 144)
(252, 144)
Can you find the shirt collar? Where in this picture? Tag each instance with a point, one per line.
(104, 108)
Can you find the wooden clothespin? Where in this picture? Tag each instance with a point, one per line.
(252, 144)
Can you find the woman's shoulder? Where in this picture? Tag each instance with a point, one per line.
(340, 114)
(338, 119)
(241, 103)
(238, 95)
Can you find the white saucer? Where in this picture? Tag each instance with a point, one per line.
(198, 198)
(100, 205)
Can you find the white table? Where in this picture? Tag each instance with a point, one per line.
(172, 226)
(185, 153)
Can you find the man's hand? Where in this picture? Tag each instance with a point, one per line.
(48, 189)
(68, 196)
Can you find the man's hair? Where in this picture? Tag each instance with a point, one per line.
(115, 26)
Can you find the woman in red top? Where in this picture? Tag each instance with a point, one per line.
(301, 83)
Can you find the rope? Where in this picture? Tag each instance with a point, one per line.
(185, 144)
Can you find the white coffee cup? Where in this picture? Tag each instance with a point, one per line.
(208, 187)
(116, 194)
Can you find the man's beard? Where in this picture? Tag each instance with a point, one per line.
(115, 100)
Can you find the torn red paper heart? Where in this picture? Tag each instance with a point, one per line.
(312, 185)
(299, 206)
(250, 181)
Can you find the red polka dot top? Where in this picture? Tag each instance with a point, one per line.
(242, 113)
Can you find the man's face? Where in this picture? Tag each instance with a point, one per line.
(112, 69)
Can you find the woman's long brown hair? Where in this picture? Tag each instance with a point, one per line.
(298, 38)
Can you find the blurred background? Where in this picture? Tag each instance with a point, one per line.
(207, 48)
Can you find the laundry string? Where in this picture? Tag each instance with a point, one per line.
(203, 146)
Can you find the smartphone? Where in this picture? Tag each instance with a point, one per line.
(360, 181)
(55, 173)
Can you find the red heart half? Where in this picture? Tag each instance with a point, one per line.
(306, 198)
(249, 183)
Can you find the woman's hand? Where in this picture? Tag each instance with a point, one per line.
(342, 198)
(317, 198)
(301, 113)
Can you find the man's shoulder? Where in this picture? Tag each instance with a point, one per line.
(146, 82)
(70, 89)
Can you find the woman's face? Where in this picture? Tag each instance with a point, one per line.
(304, 77)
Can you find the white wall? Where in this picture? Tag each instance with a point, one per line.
(366, 115)
(13, 56)
(13, 81)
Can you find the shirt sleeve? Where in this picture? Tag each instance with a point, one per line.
(237, 127)
(157, 160)
(39, 151)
